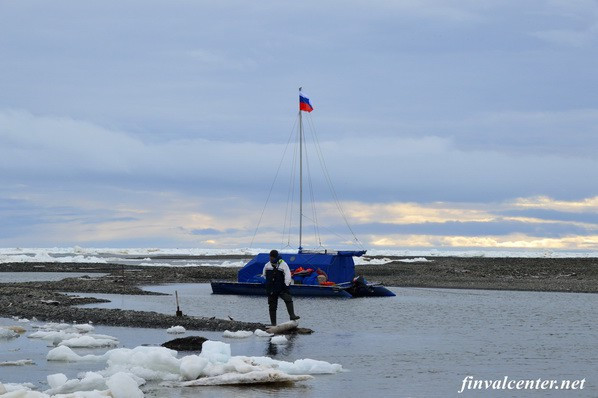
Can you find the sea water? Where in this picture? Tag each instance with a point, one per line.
(421, 343)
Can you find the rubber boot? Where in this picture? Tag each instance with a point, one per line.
(273, 317)
(291, 311)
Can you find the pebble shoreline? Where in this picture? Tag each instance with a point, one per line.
(45, 301)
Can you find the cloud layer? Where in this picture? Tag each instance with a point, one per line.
(443, 123)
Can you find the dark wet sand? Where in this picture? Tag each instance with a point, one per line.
(43, 300)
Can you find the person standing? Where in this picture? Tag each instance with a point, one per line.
(278, 279)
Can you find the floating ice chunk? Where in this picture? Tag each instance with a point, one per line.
(279, 340)
(24, 320)
(91, 381)
(88, 342)
(122, 385)
(102, 336)
(262, 333)
(241, 365)
(52, 335)
(7, 334)
(241, 334)
(18, 390)
(65, 354)
(55, 337)
(258, 376)
(312, 366)
(300, 366)
(56, 380)
(20, 362)
(54, 326)
(84, 328)
(215, 351)
(149, 363)
(176, 330)
(192, 366)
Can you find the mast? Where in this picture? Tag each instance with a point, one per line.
(300, 176)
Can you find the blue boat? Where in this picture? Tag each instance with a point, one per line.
(336, 268)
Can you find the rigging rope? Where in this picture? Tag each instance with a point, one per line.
(329, 180)
(273, 182)
(291, 193)
(291, 197)
(313, 202)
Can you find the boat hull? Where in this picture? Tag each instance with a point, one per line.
(259, 289)
(370, 290)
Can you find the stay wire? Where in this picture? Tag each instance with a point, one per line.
(272, 186)
(329, 181)
(312, 198)
(291, 197)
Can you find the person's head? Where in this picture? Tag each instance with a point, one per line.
(273, 256)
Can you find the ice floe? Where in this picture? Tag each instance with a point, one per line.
(241, 334)
(88, 341)
(253, 377)
(122, 385)
(84, 327)
(11, 387)
(279, 340)
(8, 334)
(262, 333)
(176, 330)
(127, 369)
(76, 335)
(65, 354)
(20, 362)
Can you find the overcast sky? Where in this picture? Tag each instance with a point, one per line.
(162, 123)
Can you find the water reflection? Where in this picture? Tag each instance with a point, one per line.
(421, 343)
(283, 350)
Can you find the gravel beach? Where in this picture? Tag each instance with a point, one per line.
(45, 300)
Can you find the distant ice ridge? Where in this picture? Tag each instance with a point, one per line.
(490, 253)
(415, 260)
(44, 257)
(195, 264)
(138, 256)
(132, 256)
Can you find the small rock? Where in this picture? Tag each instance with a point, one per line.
(191, 343)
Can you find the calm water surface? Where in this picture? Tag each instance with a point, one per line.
(421, 343)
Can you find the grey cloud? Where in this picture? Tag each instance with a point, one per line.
(378, 169)
(433, 101)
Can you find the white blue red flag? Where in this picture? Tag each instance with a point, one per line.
(304, 104)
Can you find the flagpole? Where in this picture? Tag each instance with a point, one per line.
(300, 176)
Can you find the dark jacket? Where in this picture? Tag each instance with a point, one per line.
(277, 280)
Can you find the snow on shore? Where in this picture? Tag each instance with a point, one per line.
(415, 260)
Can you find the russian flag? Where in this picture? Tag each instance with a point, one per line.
(304, 104)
